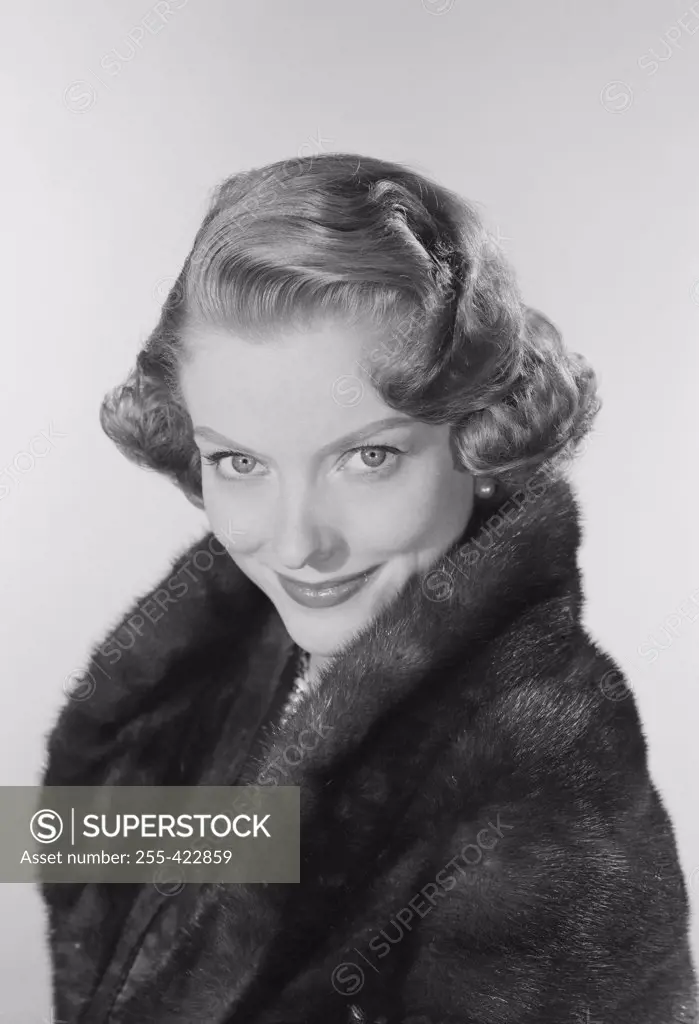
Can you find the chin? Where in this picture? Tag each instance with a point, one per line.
(320, 642)
(323, 631)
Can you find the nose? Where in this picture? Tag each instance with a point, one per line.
(302, 533)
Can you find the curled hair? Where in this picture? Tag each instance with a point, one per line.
(362, 239)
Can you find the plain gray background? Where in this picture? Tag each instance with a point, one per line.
(572, 126)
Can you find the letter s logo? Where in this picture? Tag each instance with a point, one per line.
(46, 826)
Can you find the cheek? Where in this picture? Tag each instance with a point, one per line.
(433, 505)
(227, 517)
(386, 534)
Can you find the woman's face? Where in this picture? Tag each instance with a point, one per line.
(304, 482)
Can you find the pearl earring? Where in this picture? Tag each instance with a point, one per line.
(485, 487)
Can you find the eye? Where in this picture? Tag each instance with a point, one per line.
(375, 457)
(242, 464)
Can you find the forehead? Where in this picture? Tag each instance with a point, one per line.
(314, 379)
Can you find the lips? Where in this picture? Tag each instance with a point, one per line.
(325, 595)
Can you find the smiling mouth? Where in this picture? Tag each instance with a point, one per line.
(321, 595)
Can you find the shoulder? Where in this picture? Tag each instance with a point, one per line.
(555, 826)
(183, 607)
(554, 738)
(132, 680)
(559, 712)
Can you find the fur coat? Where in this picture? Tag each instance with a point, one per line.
(480, 838)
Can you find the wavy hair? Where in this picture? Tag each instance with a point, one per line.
(354, 237)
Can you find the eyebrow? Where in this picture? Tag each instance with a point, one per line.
(355, 437)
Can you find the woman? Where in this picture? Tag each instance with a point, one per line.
(347, 381)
